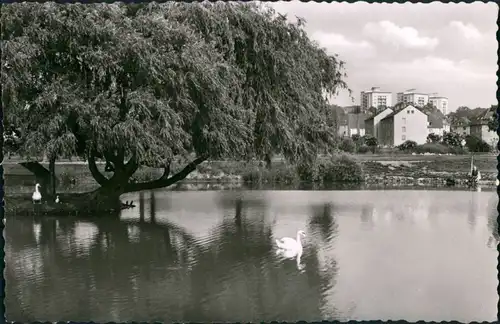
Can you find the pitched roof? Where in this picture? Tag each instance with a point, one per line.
(373, 116)
(483, 117)
(462, 121)
(435, 121)
(394, 113)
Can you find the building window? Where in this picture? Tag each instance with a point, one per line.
(403, 137)
(404, 120)
(403, 129)
(413, 111)
(407, 111)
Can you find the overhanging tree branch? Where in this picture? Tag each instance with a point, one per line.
(98, 176)
(164, 181)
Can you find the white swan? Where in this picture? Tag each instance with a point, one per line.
(57, 199)
(290, 244)
(37, 196)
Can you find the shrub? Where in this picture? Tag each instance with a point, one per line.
(67, 179)
(280, 173)
(363, 149)
(335, 169)
(435, 148)
(253, 176)
(458, 150)
(452, 139)
(145, 174)
(341, 169)
(308, 172)
(433, 138)
(356, 138)
(206, 168)
(370, 140)
(283, 174)
(475, 144)
(407, 146)
(348, 145)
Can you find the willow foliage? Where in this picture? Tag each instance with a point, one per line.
(144, 84)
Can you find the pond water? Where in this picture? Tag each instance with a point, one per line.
(210, 256)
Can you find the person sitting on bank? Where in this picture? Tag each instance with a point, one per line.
(475, 175)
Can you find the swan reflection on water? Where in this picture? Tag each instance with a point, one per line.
(288, 254)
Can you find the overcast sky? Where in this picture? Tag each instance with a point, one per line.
(449, 48)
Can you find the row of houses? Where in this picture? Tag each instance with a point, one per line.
(478, 127)
(392, 128)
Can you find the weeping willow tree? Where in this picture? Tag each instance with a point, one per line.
(148, 84)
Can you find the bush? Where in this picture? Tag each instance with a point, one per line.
(452, 139)
(253, 176)
(67, 179)
(371, 141)
(407, 146)
(342, 169)
(363, 149)
(458, 150)
(347, 145)
(433, 138)
(280, 173)
(356, 138)
(475, 144)
(435, 148)
(335, 169)
(145, 175)
(308, 172)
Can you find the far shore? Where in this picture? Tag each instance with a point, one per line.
(379, 170)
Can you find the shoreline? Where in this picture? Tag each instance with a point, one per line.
(75, 178)
(382, 172)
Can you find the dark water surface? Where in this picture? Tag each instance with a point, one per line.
(209, 256)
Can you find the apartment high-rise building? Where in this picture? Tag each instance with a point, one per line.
(375, 98)
(440, 103)
(413, 97)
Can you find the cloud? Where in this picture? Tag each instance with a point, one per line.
(390, 33)
(337, 43)
(450, 48)
(469, 31)
(439, 68)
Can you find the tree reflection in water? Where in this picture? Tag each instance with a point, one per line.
(165, 274)
(323, 227)
(493, 212)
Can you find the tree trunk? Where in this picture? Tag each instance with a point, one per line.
(268, 160)
(52, 170)
(107, 196)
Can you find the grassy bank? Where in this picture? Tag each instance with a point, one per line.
(400, 168)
